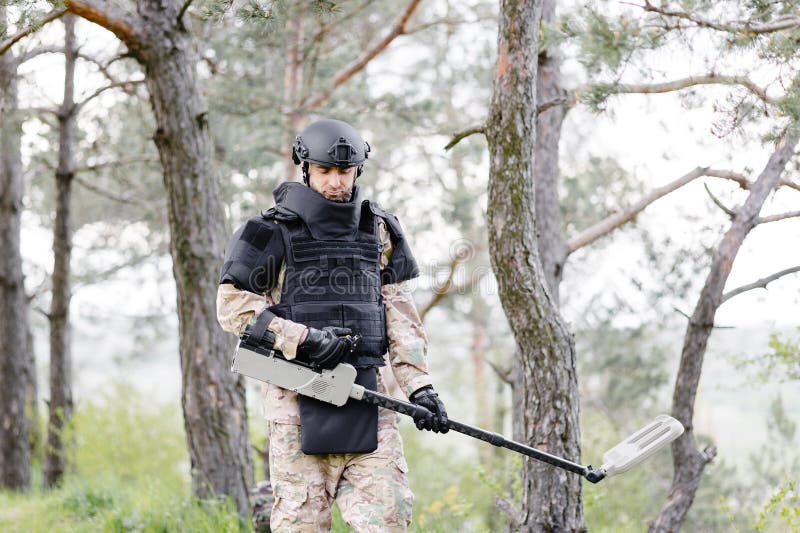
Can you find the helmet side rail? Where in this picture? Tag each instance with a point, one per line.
(337, 385)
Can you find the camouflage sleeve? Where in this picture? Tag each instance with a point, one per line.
(236, 308)
(408, 345)
(288, 335)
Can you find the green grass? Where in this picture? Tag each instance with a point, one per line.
(129, 472)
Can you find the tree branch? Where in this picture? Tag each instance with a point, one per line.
(568, 101)
(458, 137)
(115, 162)
(779, 216)
(118, 21)
(742, 180)
(440, 292)
(747, 27)
(515, 517)
(27, 55)
(609, 224)
(728, 211)
(106, 194)
(449, 22)
(8, 43)
(48, 110)
(691, 81)
(104, 69)
(126, 85)
(398, 28)
(503, 373)
(759, 284)
(185, 6)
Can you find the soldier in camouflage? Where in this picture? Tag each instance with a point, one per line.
(371, 488)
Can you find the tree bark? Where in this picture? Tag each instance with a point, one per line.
(213, 398)
(60, 334)
(549, 231)
(551, 499)
(689, 462)
(32, 388)
(15, 356)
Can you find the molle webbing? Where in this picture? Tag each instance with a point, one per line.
(336, 283)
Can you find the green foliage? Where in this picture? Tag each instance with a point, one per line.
(782, 511)
(129, 472)
(215, 9)
(784, 359)
(253, 12)
(26, 15)
(455, 492)
(620, 44)
(780, 364)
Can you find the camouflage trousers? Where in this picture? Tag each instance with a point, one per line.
(371, 489)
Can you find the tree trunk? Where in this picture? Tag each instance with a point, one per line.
(213, 398)
(689, 462)
(549, 232)
(15, 468)
(32, 388)
(60, 356)
(551, 497)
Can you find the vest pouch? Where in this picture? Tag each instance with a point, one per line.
(369, 320)
(351, 428)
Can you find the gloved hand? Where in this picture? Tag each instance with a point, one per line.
(436, 419)
(326, 348)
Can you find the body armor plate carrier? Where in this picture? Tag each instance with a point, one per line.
(332, 277)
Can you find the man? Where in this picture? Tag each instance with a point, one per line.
(319, 268)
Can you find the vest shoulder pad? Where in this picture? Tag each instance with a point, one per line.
(280, 213)
(402, 266)
(254, 255)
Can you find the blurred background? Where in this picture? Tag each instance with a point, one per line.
(265, 69)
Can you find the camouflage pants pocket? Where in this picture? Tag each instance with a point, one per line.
(374, 494)
(287, 511)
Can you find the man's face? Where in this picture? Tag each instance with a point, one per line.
(333, 183)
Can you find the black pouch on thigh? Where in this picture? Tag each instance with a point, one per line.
(351, 428)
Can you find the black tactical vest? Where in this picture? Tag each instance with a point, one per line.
(332, 256)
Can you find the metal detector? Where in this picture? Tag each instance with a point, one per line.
(338, 385)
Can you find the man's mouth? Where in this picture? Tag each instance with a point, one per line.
(336, 195)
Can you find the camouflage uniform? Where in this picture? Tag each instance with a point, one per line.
(371, 489)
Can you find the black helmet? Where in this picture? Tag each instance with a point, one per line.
(330, 143)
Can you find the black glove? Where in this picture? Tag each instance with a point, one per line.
(436, 419)
(326, 348)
